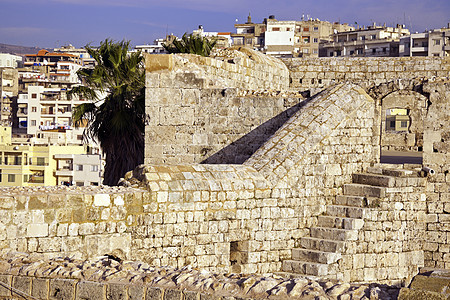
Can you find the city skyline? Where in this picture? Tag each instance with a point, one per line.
(54, 23)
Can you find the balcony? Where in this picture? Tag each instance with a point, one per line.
(419, 49)
(64, 172)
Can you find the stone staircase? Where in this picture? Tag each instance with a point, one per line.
(319, 254)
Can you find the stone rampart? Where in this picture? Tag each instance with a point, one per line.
(198, 108)
(319, 73)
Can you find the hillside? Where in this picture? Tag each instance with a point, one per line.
(19, 50)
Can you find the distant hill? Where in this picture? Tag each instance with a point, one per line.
(19, 50)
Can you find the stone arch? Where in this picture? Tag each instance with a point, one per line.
(402, 115)
(382, 90)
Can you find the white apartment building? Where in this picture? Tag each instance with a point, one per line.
(10, 61)
(376, 41)
(156, 48)
(432, 43)
(78, 169)
(279, 38)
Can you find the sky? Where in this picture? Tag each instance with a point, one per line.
(54, 23)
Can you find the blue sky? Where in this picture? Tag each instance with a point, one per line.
(52, 23)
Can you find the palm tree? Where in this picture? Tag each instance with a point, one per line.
(193, 44)
(117, 120)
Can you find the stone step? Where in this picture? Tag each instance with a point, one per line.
(307, 268)
(315, 256)
(346, 211)
(357, 201)
(398, 172)
(374, 179)
(340, 222)
(356, 189)
(334, 234)
(322, 244)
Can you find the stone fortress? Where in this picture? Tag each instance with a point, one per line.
(256, 165)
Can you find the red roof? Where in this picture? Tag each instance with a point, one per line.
(44, 52)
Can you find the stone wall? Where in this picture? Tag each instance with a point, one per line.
(316, 74)
(197, 106)
(238, 218)
(436, 154)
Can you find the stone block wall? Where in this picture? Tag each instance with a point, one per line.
(73, 289)
(313, 154)
(199, 112)
(390, 244)
(316, 74)
(437, 156)
(217, 217)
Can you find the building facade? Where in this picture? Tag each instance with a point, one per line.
(40, 165)
(432, 43)
(374, 41)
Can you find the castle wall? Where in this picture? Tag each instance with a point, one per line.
(197, 108)
(316, 74)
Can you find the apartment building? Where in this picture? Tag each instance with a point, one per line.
(45, 165)
(55, 66)
(78, 169)
(85, 58)
(432, 43)
(223, 39)
(299, 38)
(10, 61)
(9, 89)
(286, 38)
(250, 34)
(374, 41)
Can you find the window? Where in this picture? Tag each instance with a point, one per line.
(316, 28)
(33, 122)
(94, 168)
(352, 52)
(79, 137)
(94, 183)
(374, 50)
(288, 29)
(363, 38)
(79, 183)
(404, 124)
(40, 161)
(305, 28)
(276, 29)
(11, 178)
(1, 176)
(315, 51)
(315, 40)
(384, 50)
(79, 167)
(373, 36)
(17, 160)
(33, 109)
(25, 178)
(33, 96)
(436, 42)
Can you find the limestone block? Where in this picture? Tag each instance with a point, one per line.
(37, 230)
(137, 291)
(102, 200)
(62, 289)
(40, 288)
(90, 290)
